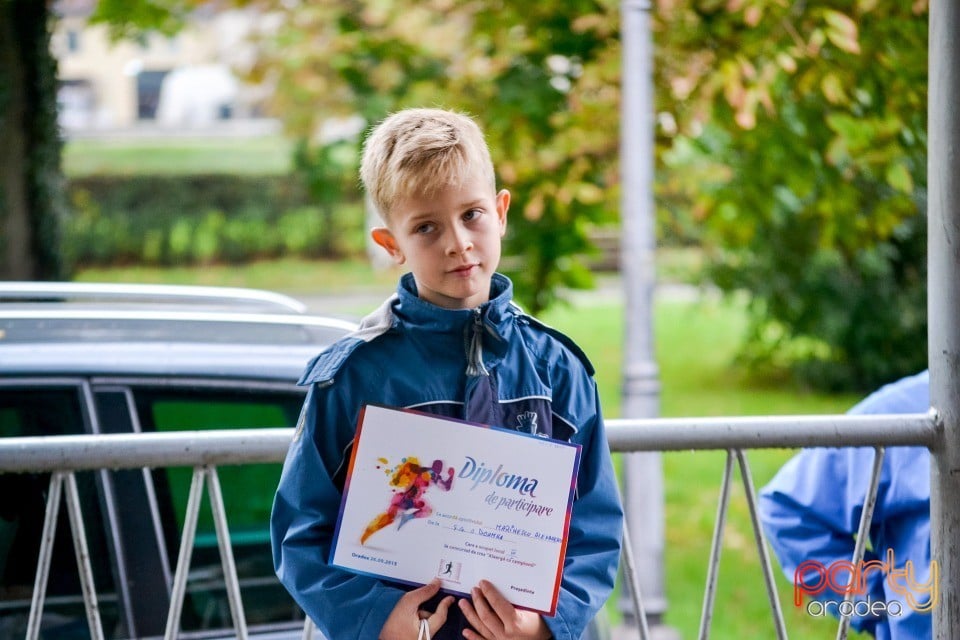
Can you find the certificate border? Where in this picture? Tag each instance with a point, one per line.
(561, 556)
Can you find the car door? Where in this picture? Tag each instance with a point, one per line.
(247, 490)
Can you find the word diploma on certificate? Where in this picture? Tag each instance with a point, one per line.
(430, 497)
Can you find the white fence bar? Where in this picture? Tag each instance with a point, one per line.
(230, 580)
(136, 450)
(863, 529)
(45, 553)
(773, 432)
(243, 446)
(633, 585)
(716, 548)
(186, 550)
(81, 550)
(761, 541)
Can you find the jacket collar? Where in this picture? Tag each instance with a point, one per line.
(415, 312)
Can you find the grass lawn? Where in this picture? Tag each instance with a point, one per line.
(175, 155)
(696, 343)
(294, 276)
(695, 350)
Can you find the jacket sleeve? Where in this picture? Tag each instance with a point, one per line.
(343, 605)
(596, 524)
(811, 512)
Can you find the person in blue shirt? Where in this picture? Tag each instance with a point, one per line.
(450, 342)
(811, 512)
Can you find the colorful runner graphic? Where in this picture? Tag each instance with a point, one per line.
(408, 500)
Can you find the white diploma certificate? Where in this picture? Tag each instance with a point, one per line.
(429, 497)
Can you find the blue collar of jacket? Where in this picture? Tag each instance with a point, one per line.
(493, 320)
(416, 313)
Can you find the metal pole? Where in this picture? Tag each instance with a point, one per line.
(943, 255)
(764, 432)
(230, 581)
(47, 539)
(179, 591)
(82, 550)
(716, 548)
(751, 493)
(642, 472)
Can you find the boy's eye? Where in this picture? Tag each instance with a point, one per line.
(426, 227)
(472, 214)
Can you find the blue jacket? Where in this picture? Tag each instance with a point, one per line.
(811, 511)
(492, 365)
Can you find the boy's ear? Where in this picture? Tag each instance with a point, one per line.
(383, 237)
(503, 205)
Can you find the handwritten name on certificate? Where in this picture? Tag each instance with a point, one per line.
(429, 497)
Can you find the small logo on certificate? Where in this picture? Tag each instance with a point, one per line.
(449, 570)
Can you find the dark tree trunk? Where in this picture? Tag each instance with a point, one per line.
(31, 182)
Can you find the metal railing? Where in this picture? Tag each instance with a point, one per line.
(738, 434)
(63, 456)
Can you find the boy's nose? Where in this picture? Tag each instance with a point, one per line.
(460, 241)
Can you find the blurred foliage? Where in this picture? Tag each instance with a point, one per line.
(328, 172)
(130, 20)
(183, 220)
(790, 140)
(794, 136)
(539, 77)
(791, 143)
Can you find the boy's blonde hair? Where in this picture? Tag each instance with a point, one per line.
(421, 151)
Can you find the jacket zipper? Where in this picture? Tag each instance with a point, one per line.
(475, 348)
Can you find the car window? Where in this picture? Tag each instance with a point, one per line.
(248, 496)
(36, 412)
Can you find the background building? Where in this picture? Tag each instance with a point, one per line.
(180, 82)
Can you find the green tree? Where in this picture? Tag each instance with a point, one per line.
(32, 200)
(796, 137)
(31, 183)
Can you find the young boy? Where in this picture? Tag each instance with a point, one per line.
(449, 342)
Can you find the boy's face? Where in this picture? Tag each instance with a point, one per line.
(450, 241)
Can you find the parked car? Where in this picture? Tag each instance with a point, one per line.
(87, 359)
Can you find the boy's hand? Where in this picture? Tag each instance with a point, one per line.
(403, 623)
(495, 618)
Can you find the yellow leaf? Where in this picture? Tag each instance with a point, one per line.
(817, 38)
(786, 62)
(832, 88)
(534, 209)
(899, 178)
(588, 193)
(842, 31)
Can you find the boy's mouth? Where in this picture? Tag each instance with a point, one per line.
(465, 270)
